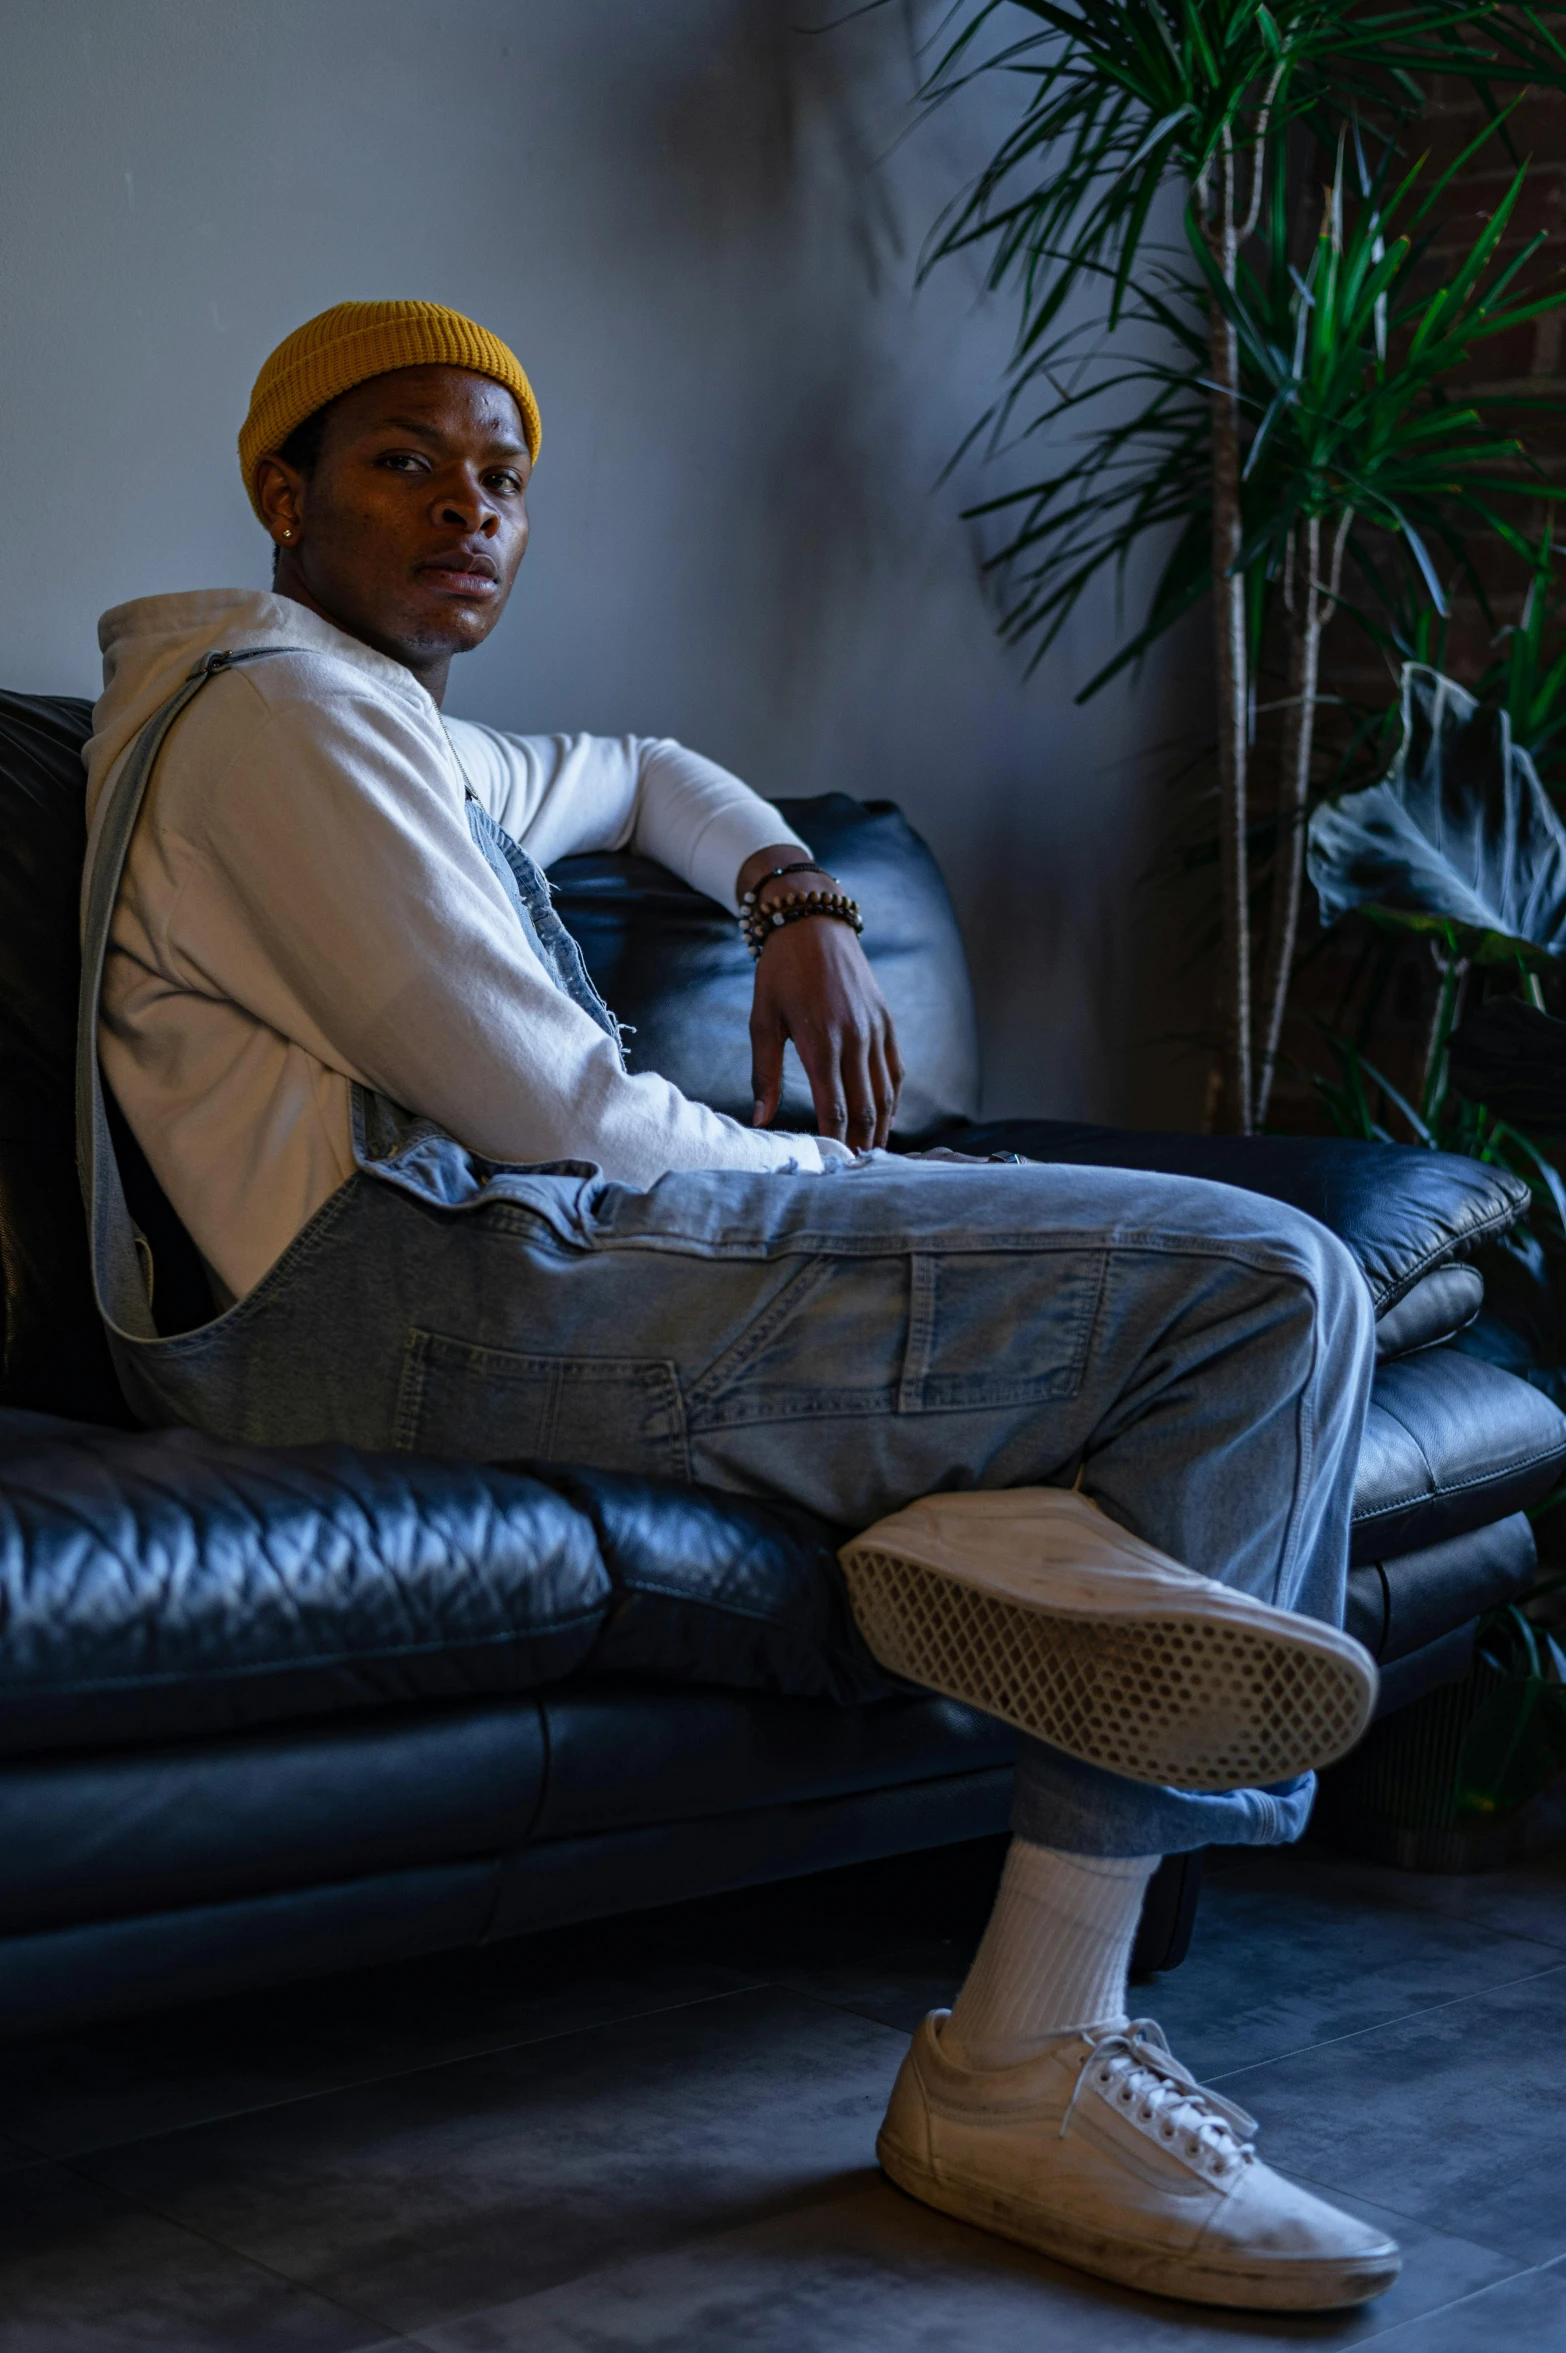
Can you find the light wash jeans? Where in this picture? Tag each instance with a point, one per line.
(849, 1341)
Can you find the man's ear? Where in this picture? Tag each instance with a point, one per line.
(280, 494)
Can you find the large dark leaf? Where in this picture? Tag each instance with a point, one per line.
(1512, 1058)
(1459, 833)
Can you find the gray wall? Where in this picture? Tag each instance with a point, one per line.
(698, 223)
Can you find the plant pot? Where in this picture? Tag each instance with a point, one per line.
(1394, 1800)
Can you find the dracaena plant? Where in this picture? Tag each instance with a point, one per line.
(1356, 449)
(1294, 411)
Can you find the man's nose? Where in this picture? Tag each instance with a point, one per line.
(469, 509)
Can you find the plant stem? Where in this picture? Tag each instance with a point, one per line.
(1230, 665)
(1448, 1009)
(1299, 738)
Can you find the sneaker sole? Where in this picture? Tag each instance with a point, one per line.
(1181, 1698)
(1273, 2284)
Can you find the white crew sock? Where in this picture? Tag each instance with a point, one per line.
(1053, 1957)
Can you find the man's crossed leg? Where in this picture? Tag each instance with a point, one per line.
(1196, 1361)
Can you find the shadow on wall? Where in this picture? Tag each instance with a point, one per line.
(1051, 822)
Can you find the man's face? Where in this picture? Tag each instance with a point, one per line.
(409, 531)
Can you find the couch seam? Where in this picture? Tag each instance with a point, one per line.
(344, 1658)
(1458, 1486)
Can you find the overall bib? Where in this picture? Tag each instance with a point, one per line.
(200, 1377)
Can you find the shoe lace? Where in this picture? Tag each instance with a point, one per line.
(1134, 2067)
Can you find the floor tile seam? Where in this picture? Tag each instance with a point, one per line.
(1381, 2025)
(207, 2238)
(329, 2091)
(1436, 2311)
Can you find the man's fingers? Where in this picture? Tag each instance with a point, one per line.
(766, 1068)
(884, 1090)
(894, 1061)
(858, 1092)
(821, 1055)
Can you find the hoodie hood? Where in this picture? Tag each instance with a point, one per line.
(151, 646)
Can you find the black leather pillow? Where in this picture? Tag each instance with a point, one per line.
(1402, 1212)
(672, 965)
(1440, 1305)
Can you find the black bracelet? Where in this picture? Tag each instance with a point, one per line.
(800, 866)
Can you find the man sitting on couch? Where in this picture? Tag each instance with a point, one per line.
(436, 1210)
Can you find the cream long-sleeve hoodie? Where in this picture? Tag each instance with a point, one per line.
(303, 907)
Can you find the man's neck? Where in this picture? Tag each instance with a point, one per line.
(431, 675)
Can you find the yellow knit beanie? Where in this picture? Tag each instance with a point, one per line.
(354, 341)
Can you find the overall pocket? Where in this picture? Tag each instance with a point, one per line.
(938, 1331)
(497, 1405)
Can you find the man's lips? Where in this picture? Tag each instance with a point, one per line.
(464, 572)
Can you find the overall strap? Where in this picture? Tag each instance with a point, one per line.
(527, 887)
(113, 1240)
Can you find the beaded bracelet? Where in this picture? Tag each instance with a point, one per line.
(758, 923)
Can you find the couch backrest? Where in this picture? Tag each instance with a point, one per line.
(52, 1352)
(667, 959)
(672, 964)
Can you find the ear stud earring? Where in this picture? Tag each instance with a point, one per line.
(285, 535)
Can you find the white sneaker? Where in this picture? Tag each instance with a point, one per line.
(1106, 2153)
(1030, 1603)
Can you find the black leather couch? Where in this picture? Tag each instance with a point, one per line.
(269, 1712)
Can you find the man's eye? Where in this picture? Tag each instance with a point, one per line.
(505, 480)
(404, 460)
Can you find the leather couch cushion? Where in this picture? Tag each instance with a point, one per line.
(1395, 1607)
(1450, 1444)
(1402, 1212)
(715, 1588)
(672, 965)
(622, 1752)
(160, 1583)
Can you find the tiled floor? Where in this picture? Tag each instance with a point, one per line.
(656, 2134)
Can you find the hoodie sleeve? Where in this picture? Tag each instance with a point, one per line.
(335, 893)
(562, 794)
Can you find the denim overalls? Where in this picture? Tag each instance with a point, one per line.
(390, 1146)
(1200, 1357)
